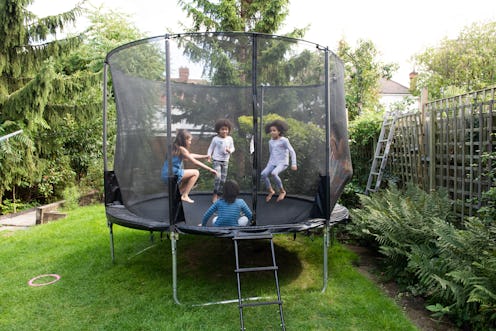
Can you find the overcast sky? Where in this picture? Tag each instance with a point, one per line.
(399, 29)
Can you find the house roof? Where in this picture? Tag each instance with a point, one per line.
(387, 86)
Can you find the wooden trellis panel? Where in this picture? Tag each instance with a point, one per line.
(407, 150)
(445, 146)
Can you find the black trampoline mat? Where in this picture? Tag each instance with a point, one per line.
(293, 214)
(291, 210)
(288, 211)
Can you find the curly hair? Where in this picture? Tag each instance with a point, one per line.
(223, 122)
(279, 124)
(231, 191)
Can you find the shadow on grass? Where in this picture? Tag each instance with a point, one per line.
(205, 265)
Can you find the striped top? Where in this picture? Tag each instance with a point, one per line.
(228, 213)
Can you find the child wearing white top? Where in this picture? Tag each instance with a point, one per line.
(219, 151)
(279, 150)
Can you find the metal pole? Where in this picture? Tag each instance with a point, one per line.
(10, 135)
(327, 193)
(104, 146)
(255, 172)
(171, 183)
(173, 237)
(326, 249)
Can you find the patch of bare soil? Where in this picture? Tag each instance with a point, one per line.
(414, 307)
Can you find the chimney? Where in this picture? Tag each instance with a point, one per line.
(413, 74)
(413, 81)
(183, 74)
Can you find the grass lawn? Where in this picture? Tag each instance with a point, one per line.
(135, 293)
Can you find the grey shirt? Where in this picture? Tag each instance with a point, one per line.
(279, 150)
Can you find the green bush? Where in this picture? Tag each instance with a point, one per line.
(397, 222)
(431, 254)
(71, 197)
(364, 132)
(8, 206)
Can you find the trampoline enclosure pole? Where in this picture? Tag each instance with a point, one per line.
(255, 170)
(326, 249)
(173, 237)
(105, 69)
(327, 184)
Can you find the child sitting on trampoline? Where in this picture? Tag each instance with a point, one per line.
(186, 178)
(279, 151)
(220, 149)
(228, 208)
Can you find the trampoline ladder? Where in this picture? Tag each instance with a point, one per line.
(242, 302)
(381, 153)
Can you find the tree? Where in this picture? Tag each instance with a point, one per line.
(29, 84)
(363, 71)
(237, 15)
(456, 66)
(54, 94)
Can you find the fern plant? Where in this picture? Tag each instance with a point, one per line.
(466, 279)
(400, 222)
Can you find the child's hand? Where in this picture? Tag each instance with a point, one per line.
(293, 167)
(209, 158)
(213, 171)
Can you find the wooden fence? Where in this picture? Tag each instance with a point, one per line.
(446, 145)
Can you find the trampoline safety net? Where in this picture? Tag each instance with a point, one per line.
(189, 81)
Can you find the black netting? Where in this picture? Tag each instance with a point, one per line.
(192, 80)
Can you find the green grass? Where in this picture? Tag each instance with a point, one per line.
(135, 293)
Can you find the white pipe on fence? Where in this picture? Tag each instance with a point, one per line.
(10, 135)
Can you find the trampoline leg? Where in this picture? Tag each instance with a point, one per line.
(326, 249)
(110, 225)
(173, 237)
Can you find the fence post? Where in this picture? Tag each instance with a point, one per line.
(430, 130)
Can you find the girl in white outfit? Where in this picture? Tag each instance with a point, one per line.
(279, 150)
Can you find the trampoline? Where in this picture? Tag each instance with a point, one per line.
(189, 81)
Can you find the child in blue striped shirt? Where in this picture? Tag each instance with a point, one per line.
(229, 208)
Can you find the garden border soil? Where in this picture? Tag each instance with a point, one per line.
(414, 307)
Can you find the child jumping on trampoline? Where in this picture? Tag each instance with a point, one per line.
(186, 178)
(219, 151)
(228, 208)
(279, 150)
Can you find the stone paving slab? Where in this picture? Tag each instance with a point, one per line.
(19, 221)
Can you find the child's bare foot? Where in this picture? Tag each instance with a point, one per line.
(281, 196)
(269, 196)
(186, 198)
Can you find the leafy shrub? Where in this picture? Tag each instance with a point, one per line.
(8, 206)
(450, 263)
(363, 132)
(71, 197)
(399, 223)
(462, 278)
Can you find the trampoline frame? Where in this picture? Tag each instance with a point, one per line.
(112, 194)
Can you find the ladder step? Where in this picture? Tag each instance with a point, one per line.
(375, 173)
(262, 303)
(253, 236)
(256, 269)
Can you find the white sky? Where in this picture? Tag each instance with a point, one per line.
(399, 29)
